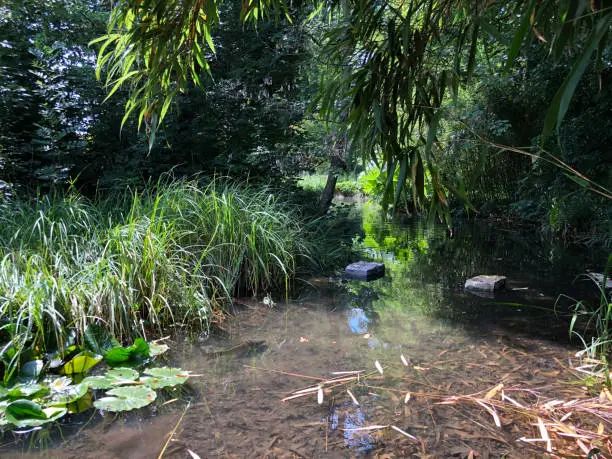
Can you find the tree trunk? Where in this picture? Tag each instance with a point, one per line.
(328, 193)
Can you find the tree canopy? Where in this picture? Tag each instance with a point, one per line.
(390, 65)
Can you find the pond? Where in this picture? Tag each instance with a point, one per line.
(409, 365)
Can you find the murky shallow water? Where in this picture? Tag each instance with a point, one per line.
(236, 408)
(454, 343)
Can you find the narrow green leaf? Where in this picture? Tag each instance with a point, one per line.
(561, 101)
(519, 36)
(401, 180)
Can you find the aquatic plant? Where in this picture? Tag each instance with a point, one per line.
(40, 396)
(136, 262)
(596, 320)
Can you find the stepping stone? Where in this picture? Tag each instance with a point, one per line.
(485, 283)
(364, 271)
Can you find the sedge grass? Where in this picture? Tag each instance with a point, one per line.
(137, 262)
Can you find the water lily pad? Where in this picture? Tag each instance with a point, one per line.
(156, 349)
(126, 398)
(121, 374)
(82, 404)
(25, 409)
(164, 377)
(25, 390)
(112, 378)
(98, 382)
(64, 392)
(80, 364)
(26, 413)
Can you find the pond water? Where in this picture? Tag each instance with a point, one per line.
(431, 340)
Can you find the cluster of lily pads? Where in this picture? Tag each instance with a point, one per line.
(46, 389)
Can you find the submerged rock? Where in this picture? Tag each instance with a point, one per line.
(484, 283)
(364, 271)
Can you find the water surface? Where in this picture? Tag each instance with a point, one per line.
(453, 342)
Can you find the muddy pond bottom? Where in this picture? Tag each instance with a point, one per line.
(423, 389)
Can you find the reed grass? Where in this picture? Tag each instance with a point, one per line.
(137, 262)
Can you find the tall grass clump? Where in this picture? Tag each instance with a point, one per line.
(137, 262)
(597, 319)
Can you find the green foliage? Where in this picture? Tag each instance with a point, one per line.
(172, 254)
(157, 48)
(596, 320)
(48, 95)
(35, 403)
(126, 398)
(347, 185)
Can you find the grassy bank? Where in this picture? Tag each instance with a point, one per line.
(137, 263)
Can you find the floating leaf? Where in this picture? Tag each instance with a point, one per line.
(52, 414)
(164, 377)
(24, 390)
(126, 398)
(82, 404)
(320, 396)
(157, 349)
(80, 364)
(64, 392)
(26, 413)
(25, 409)
(98, 382)
(122, 374)
(112, 378)
(140, 348)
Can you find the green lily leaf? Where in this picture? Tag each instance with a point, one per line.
(64, 392)
(157, 349)
(80, 364)
(164, 377)
(126, 398)
(24, 390)
(139, 351)
(98, 382)
(57, 359)
(140, 348)
(117, 355)
(26, 413)
(25, 409)
(122, 374)
(112, 378)
(82, 404)
(99, 340)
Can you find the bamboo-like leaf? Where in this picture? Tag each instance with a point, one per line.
(562, 98)
(520, 34)
(401, 180)
(575, 9)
